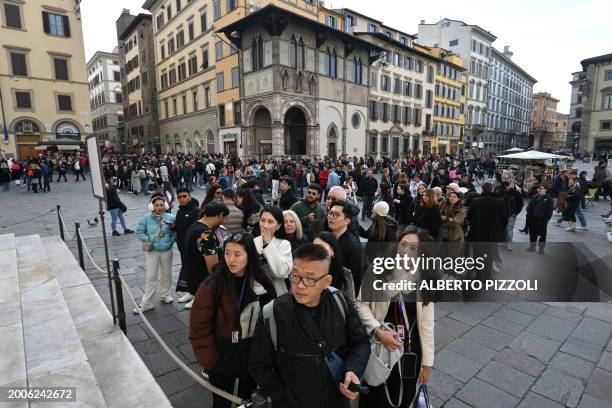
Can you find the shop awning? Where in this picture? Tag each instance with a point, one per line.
(533, 155)
(59, 147)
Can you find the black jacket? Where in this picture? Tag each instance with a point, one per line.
(296, 375)
(287, 199)
(541, 207)
(402, 209)
(350, 248)
(185, 216)
(368, 186)
(488, 217)
(513, 200)
(112, 198)
(428, 218)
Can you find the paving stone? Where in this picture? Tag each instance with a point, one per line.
(532, 308)
(559, 387)
(472, 350)
(159, 363)
(593, 331)
(599, 385)
(533, 400)
(600, 311)
(551, 327)
(174, 382)
(465, 318)
(535, 346)
(455, 403)
(136, 333)
(167, 324)
(606, 361)
(491, 338)
(194, 396)
(579, 348)
(572, 365)
(444, 385)
(183, 316)
(479, 394)
(187, 352)
(520, 361)
(563, 313)
(514, 316)
(587, 401)
(503, 325)
(451, 326)
(506, 378)
(454, 364)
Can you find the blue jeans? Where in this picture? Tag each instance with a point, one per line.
(116, 213)
(510, 228)
(580, 216)
(145, 186)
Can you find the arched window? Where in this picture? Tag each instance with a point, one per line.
(327, 62)
(300, 54)
(334, 64)
(357, 71)
(293, 52)
(312, 86)
(578, 112)
(257, 57)
(285, 80)
(299, 79)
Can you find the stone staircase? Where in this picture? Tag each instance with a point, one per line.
(55, 331)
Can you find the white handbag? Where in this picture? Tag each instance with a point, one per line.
(382, 360)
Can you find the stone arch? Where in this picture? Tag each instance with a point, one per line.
(198, 142)
(253, 108)
(177, 143)
(62, 120)
(36, 122)
(295, 131)
(305, 106)
(262, 132)
(210, 141)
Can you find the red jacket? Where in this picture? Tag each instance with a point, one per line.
(323, 175)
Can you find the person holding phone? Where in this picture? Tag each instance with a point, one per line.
(412, 322)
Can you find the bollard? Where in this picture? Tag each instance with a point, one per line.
(61, 225)
(119, 296)
(77, 227)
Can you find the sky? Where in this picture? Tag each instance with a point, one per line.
(549, 38)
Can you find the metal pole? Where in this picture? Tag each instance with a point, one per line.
(119, 290)
(59, 219)
(77, 227)
(108, 270)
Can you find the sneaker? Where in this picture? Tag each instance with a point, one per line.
(167, 299)
(135, 311)
(582, 228)
(128, 231)
(531, 248)
(189, 305)
(570, 229)
(116, 234)
(495, 267)
(186, 298)
(508, 246)
(557, 224)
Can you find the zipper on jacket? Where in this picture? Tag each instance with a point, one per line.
(250, 320)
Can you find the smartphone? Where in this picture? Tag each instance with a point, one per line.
(409, 365)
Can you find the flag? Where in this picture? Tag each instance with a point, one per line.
(6, 135)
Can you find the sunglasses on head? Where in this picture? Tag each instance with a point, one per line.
(237, 237)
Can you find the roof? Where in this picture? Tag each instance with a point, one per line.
(484, 32)
(385, 38)
(594, 60)
(148, 4)
(514, 64)
(545, 95)
(344, 10)
(254, 18)
(128, 30)
(102, 53)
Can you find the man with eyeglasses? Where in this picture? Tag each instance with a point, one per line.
(187, 214)
(339, 218)
(324, 348)
(311, 211)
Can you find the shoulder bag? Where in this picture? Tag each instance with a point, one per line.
(148, 245)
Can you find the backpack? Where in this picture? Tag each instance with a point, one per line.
(270, 321)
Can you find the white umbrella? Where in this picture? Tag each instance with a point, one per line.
(514, 150)
(533, 155)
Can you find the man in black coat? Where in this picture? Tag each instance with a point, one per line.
(488, 217)
(514, 204)
(540, 210)
(287, 198)
(368, 189)
(187, 214)
(311, 330)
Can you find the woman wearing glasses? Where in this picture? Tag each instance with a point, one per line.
(274, 248)
(398, 319)
(214, 193)
(224, 315)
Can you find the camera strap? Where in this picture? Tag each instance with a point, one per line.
(402, 306)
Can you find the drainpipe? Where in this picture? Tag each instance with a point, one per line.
(5, 134)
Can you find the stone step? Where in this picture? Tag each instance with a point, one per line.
(123, 377)
(54, 354)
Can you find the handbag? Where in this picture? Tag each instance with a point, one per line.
(382, 360)
(122, 207)
(422, 402)
(147, 246)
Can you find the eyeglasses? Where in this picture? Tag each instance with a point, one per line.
(308, 282)
(182, 196)
(313, 193)
(218, 192)
(333, 215)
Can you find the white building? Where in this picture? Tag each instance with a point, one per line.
(473, 44)
(105, 97)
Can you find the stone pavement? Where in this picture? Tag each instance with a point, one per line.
(487, 354)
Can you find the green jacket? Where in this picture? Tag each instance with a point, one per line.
(311, 228)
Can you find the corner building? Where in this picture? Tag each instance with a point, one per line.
(304, 85)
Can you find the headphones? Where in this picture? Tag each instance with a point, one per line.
(151, 207)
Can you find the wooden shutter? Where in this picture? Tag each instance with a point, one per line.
(45, 17)
(66, 22)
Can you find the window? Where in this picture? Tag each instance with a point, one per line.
(257, 54)
(453, 43)
(418, 91)
(203, 21)
(220, 82)
(164, 80)
(372, 28)
(184, 103)
(356, 120)
(231, 4)
(357, 71)
(403, 40)
(160, 21)
(61, 68)
(174, 107)
(207, 100)
(349, 22)
(18, 63)
(331, 63)
(430, 74)
(194, 95)
(428, 99)
(116, 76)
(373, 144)
(191, 31)
(205, 56)
(217, 9)
(171, 48)
(609, 75)
(607, 101)
(23, 100)
(118, 97)
(162, 51)
(56, 24)
(235, 77)
(373, 80)
(418, 65)
(169, 14)
(397, 86)
(193, 64)
(407, 88)
(182, 71)
(605, 125)
(12, 15)
(180, 39)
(237, 114)
(178, 6)
(384, 83)
(64, 103)
(221, 109)
(331, 21)
(218, 51)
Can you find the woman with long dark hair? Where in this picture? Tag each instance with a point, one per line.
(427, 215)
(224, 316)
(342, 278)
(274, 247)
(214, 193)
(383, 229)
(250, 208)
(383, 193)
(398, 319)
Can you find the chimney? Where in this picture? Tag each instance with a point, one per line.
(422, 22)
(125, 11)
(507, 53)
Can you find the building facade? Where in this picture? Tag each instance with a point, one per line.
(304, 85)
(560, 138)
(43, 79)
(576, 108)
(473, 44)
(596, 97)
(138, 83)
(510, 101)
(543, 121)
(105, 96)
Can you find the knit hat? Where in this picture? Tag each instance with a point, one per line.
(381, 209)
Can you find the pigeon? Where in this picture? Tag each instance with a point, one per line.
(93, 224)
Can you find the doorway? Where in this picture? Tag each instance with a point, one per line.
(295, 132)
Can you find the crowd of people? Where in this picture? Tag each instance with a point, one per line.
(36, 174)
